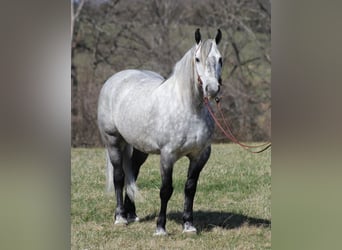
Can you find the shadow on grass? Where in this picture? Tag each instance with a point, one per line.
(207, 220)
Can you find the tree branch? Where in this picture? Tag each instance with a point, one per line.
(75, 15)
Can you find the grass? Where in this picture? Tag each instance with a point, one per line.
(231, 210)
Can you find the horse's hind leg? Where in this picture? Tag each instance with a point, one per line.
(138, 158)
(196, 165)
(114, 149)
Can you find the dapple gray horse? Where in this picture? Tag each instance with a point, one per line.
(141, 113)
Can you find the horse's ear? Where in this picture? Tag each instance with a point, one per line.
(218, 36)
(197, 36)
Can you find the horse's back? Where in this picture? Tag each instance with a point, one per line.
(135, 77)
(126, 79)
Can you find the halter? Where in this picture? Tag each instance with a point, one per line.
(199, 80)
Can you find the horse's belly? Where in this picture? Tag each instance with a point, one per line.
(153, 140)
(144, 144)
(188, 140)
(139, 136)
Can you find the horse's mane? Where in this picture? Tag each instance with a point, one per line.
(184, 68)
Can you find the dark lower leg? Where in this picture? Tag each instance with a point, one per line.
(114, 150)
(138, 158)
(189, 191)
(165, 194)
(166, 191)
(195, 167)
(119, 179)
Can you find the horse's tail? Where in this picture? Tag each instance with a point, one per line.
(131, 187)
(109, 174)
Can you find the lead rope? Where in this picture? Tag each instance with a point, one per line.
(228, 131)
(229, 127)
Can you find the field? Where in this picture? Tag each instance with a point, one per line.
(232, 208)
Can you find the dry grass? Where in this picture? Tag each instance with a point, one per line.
(231, 210)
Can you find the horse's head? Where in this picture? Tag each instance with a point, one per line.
(208, 64)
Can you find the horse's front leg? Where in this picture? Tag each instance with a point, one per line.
(196, 165)
(166, 167)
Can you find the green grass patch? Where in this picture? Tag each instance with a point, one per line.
(232, 207)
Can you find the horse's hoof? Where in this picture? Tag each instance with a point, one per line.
(119, 220)
(160, 232)
(133, 219)
(189, 228)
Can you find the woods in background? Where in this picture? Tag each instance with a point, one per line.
(109, 36)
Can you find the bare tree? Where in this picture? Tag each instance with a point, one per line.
(90, 49)
(74, 15)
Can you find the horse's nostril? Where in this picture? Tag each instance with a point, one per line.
(218, 88)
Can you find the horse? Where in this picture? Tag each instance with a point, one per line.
(141, 113)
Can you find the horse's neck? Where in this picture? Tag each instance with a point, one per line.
(185, 82)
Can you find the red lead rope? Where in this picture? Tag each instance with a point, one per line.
(228, 131)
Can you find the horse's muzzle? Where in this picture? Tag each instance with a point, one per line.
(212, 91)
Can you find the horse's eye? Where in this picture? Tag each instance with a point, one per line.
(197, 59)
(220, 61)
